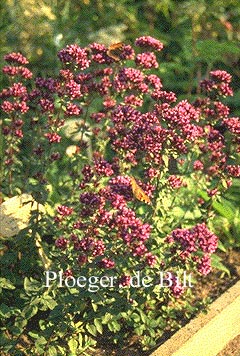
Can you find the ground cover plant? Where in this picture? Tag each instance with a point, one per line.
(117, 182)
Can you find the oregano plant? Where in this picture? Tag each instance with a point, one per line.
(125, 177)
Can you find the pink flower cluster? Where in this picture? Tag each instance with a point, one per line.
(17, 58)
(218, 83)
(106, 210)
(185, 243)
(148, 41)
(17, 71)
(146, 60)
(73, 54)
(15, 103)
(135, 127)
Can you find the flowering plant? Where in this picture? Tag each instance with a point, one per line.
(128, 176)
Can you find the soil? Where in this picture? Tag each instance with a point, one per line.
(211, 286)
(232, 349)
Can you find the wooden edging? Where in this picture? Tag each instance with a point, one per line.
(207, 334)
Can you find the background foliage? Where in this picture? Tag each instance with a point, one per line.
(198, 35)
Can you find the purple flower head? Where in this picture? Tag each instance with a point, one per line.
(164, 96)
(66, 74)
(150, 259)
(186, 239)
(139, 250)
(64, 210)
(220, 76)
(129, 78)
(233, 171)
(47, 105)
(18, 133)
(18, 90)
(6, 130)
(154, 81)
(87, 172)
(176, 288)
(90, 199)
(127, 52)
(146, 60)
(198, 165)
(82, 259)
(17, 58)
(98, 116)
(151, 173)
(73, 89)
(61, 243)
(123, 114)
(7, 106)
(149, 42)
(219, 82)
(124, 281)
(121, 185)
(233, 124)
(102, 167)
(206, 240)
(103, 218)
(73, 110)
(99, 53)
(74, 54)
(68, 273)
(204, 265)
(99, 248)
(109, 103)
(21, 106)
(133, 100)
(53, 137)
(175, 182)
(106, 263)
(21, 71)
(49, 84)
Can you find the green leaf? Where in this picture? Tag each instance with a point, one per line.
(49, 302)
(165, 159)
(29, 311)
(91, 329)
(143, 316)
(5, 311)
(52, 351)
(221, 246)
(94, 306)
(98, 325)
(225, 209)
(73, 345)
(33, 334)
(135, 317)
(107, 317)
(216, 263)
(114, 326)
(140, 329)
(41, 341)
(4, 340)
(6, 284)
(151, 332)
(80, 340)
(31, 285)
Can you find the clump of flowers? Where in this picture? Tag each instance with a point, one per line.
(126, 126)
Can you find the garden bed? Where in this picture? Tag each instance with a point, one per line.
(207, 334)
(217, 331)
